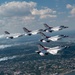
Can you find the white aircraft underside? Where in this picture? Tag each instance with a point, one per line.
(13, 35)
(54, 38)
(34, 32)
(55, 28)
(54, 50)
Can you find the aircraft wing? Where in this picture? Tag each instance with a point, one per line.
(54, 50)
(17, 36)
(35, 32)
(56, 28)
(54, 38)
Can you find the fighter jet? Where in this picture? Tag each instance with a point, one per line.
(51, 38)
(29, 32)
(46, 50)
(12, 36)
(51, 29)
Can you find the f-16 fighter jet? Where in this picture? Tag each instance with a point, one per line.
(46, 50)
(34, 32)
(51, 29)
(12, 36)
(51, 38)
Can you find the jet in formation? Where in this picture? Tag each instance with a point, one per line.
(49, 50)
(52, 29)
(34, 32)
(46, 38)
(12, 36)
(42, 49)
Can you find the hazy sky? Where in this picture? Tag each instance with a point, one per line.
(16, 14)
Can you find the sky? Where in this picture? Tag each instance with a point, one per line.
(32, 14)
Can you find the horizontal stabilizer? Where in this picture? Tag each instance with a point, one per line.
(26, 30)
(43, 35)
(48, 27)
(41, 46)
(6, 32)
